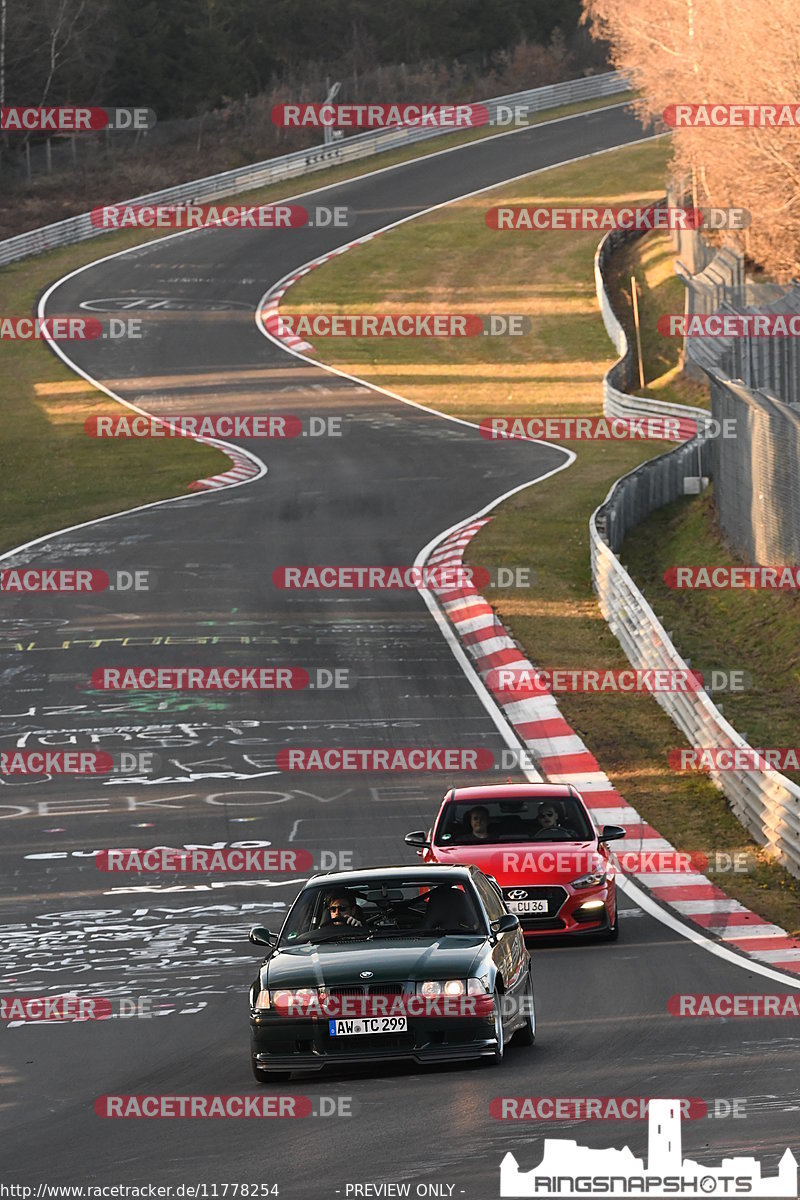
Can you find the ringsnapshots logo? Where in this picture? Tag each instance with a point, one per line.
(568, 1169)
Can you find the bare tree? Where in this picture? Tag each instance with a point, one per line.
(707, 51)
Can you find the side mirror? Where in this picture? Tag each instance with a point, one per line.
(260, 936)
(417, 838)
(507, 924)
(611, 833)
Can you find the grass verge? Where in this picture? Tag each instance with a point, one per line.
(53, 475)
(440, 263)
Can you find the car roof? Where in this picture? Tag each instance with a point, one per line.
(510, 791)
(413, 871)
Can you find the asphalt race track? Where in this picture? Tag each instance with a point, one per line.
(396, 479)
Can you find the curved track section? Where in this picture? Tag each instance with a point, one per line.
(390, 485)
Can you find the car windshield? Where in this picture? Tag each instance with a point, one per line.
(382, 907)
(535, 819)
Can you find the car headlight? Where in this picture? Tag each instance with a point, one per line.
(286, 997)
(476, 987)
(262, 1000)
(442, 987)
(593, 879)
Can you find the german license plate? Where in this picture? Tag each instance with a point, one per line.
(527, 906)
(362, 1025)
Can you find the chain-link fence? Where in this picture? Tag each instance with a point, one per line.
(765, 802)
(755, 383)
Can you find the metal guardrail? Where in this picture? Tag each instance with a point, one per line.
(305, 162)
(765, 802)
(617, 399)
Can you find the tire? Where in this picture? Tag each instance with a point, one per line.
(526, 1036)
(497, 1057)
(262, 1076)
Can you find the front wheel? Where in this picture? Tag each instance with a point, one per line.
(526, 1036)
(499, 1032)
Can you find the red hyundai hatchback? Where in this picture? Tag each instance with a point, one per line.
(540, 845)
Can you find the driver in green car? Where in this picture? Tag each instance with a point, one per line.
(342, 910)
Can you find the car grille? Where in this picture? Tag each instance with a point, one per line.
(368, 989)
(555, 897)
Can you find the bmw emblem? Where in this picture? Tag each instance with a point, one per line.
(366, 975)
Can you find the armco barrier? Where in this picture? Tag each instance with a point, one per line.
(766, 802)
(304, 162)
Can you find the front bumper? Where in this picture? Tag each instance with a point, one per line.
(569, 920)
(285, 1043)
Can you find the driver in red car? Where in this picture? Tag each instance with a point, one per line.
(479, 823)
